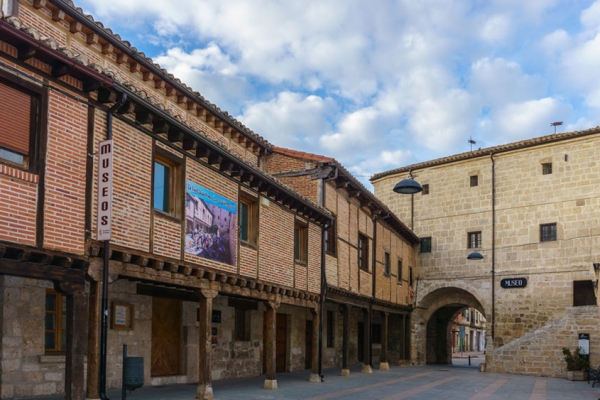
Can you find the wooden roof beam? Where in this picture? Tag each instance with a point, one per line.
(175, 136)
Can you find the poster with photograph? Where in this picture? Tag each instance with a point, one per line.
(210, 224)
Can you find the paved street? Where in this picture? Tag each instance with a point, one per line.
(453, 382)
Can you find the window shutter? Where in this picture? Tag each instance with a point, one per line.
(15, 119)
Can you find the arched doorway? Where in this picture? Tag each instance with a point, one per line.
(435, 314)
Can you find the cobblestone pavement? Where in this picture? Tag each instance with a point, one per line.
(447, 382)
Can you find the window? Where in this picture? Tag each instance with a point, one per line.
(330, 329)
(363, 252)
(386, 263)
(410, 276)
(584, 294)
(300, 242)
(19, 123)
(425, 189)
(548, 232)
(55, 337)
(546, 168)
(426, 245)
(473, 240)
(242, 325)
(399, 270)
(376, 333)
(467, 315)
(9, 7)
(474, 180)
(248, 220)
(330, 238)
(167, 184)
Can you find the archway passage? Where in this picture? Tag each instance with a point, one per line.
(438, 310)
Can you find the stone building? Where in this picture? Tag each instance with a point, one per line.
(468, 331)
(531, 209)
(230, 296)
(369, 261)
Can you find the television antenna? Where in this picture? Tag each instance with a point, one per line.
(555, 124)
(471, 142)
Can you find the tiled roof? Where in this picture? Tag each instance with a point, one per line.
(301, 155)
(538, 141)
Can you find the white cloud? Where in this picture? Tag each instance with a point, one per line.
(556, 42)
(496, 28)
(590, 17)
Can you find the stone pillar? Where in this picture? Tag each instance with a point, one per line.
(367, 368)
(384, 364)
(74, 386)
(346, 309)
(314, 376)
(270, 344)
(205, 390)
(93, 370)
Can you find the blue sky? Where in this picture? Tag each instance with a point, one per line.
(378, 84)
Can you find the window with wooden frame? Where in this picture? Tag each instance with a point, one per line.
(410, 276)
(546, 168)
(20, 121)
(248, 220)
(548, 232)
(300, 242)
(330, 238)
(426, 245)
(168, 188)
(363, 252)
(386, 263)
(330, 329)
(400, 271)
(55, 336)
(473, 240)
(241, 330)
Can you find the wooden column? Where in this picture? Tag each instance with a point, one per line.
(402, 337)
(270, 344)
(367, 368)
(345, 347)
(407, 337)
(383, 359)
(205, 390)
(314, 376)
(93, 370)
(74, 386)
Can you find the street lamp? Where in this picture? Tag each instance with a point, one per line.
(408, 186)
(475, 256)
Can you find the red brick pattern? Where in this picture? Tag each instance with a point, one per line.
(17, 209)
(248, 261)
(66, 158)
(314, 258)
(167, 234)
(301, 277)
(30, 18)
(276, 255)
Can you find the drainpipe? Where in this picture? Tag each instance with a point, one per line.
(374, 285)
(104, 315)
(493, 243)
(323, 281)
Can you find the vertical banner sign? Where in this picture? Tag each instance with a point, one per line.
(105, 178)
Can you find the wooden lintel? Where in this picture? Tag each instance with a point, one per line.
(25, 52)
(159, 84)
(56, 273)
(58, 15)
(160, 126)
(92, 38)
(158, 291)
(60, 69)
(106, 95)
(107, 48)
(144, 117)
(215, 158)
(175, 136)
(75, 27)
(189, 143)
(134, 67)
(122, 58)
(39, 4)
(148, 76)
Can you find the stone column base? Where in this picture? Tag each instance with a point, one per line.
(384, 366)
(315, 378)
(366, 369)
(205, 392)
(345, 372)
(270, 384)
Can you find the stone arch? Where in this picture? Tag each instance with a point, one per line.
(432, 322)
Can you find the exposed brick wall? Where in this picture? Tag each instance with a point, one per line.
(18, 199)
(30, 17)
(66, 158)
(276, 254)
(301, 277)
(165, 241)
(314, 258)
(248, 261)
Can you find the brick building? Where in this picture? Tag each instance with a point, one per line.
(369, 260)
(219, 263)
(531, 208)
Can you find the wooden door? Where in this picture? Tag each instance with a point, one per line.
(309, 347)
(361, 341)
(166, 336)
(281, 342)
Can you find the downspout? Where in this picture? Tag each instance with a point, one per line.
(493, 243)
(104, 314)
(374, 285)
(323, 281)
